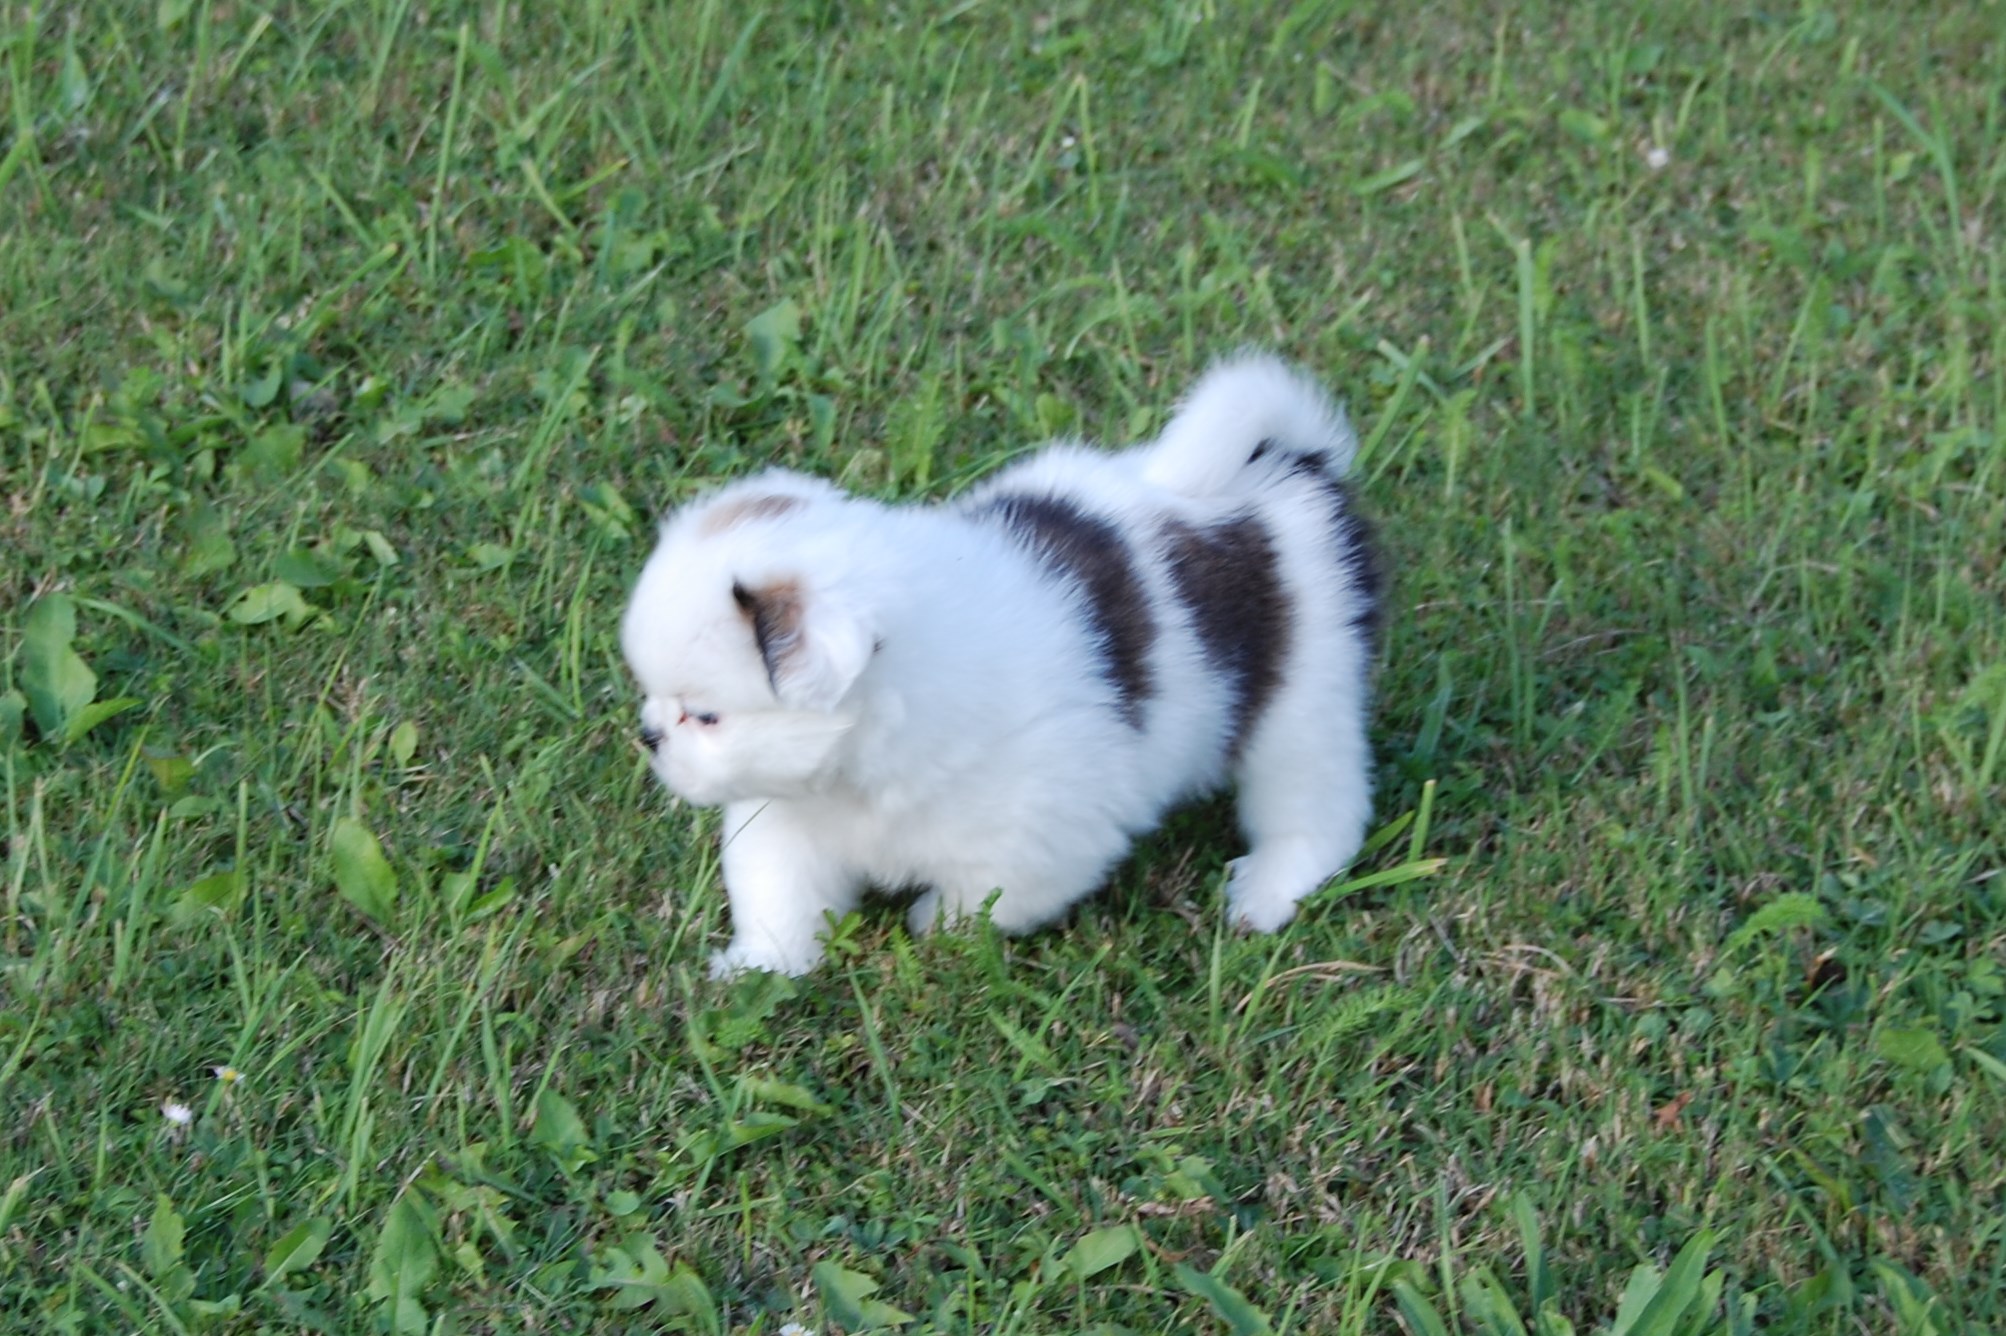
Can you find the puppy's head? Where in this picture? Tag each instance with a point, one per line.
(745, 651)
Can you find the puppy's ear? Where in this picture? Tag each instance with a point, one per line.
(813, 651)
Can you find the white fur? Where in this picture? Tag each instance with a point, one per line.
(944, 719)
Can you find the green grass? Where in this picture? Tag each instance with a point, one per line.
(346, 352)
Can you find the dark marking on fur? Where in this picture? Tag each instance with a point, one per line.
(1313, 462)
(775, 616)
(1351, 541)
(731, 514)
(1089, 552)
(1228, 577)
(1358, 556)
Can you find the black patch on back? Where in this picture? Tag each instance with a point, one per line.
(1358, 556)
(1089, 552)
(1351, 542)
(1227, 576)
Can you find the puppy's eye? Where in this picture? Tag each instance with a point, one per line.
(700, 717)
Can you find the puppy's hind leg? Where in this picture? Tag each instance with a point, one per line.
(1305, 794)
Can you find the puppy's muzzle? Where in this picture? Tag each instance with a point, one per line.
(651, 737)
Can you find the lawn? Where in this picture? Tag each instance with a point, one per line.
(352, 966)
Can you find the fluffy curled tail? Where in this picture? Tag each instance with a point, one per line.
(1245, 410)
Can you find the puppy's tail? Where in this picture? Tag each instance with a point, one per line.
(1246, 417)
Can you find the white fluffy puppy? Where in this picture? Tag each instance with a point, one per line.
(996, 695)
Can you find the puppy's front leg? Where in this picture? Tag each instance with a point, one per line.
(782, 883)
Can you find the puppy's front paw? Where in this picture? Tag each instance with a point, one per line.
(742, 955)
(1256, 903)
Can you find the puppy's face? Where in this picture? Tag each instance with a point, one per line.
(743, 668)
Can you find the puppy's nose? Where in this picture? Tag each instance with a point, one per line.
(651, 737)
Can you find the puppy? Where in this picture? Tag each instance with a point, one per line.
(995, 696)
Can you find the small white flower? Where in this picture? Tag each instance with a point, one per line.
(177, 1113)
(793, 1329)
(227, 1074)
(1656, 158)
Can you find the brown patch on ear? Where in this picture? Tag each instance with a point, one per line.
(745, 509)
(775, 615)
